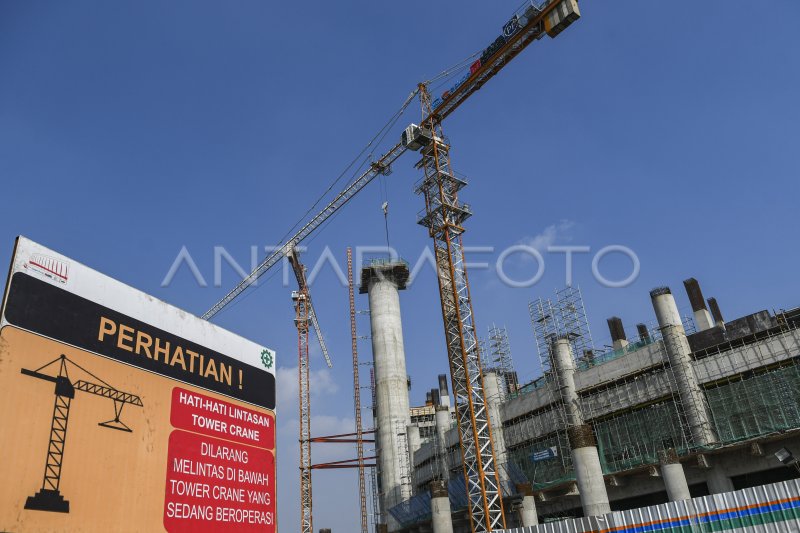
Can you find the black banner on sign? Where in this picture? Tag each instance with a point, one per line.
(51, 311)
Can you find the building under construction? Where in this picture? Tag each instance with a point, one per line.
(689, 406)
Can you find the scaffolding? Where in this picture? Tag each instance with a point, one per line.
(573, 322)
(501, 360)
(546, 327)
(748, 388)
(376, 517)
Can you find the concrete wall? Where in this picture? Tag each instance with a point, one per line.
(531, 416)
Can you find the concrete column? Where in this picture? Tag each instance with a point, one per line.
(492, 384)
(674, 476)
(716, 313)
(382, 281)
(414, 444)
(702, 318)
(718, 482)
(435, 398)
(644, 334)
(585, 459)
(564, 367)
(441, 519)
(588, 472)
(528, 516)
(618, 338)
(443, 423)
(680, 361)
(444, 394)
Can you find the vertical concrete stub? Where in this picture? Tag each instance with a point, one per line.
(702, 318)
(619, 339)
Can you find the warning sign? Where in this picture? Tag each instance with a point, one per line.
(203, 414)
(119, 412)
(214, 485)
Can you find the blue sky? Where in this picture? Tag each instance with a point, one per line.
(130, 130)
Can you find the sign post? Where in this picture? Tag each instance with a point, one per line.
(119, 412)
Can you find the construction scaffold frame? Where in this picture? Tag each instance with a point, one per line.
(748, 390)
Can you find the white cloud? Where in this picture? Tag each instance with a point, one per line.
(553, 234)
(322, 384)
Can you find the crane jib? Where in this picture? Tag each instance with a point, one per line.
(379, 167)
(493, 63)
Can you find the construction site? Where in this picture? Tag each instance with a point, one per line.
(681, 420)
(690, 406)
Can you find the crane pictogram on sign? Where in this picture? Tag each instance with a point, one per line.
(49, 498)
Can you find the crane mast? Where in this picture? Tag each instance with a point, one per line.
(301, 322)
(305, 315)
(444, 217)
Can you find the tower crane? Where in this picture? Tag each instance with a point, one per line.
(49, 498)
(444, 216)
(305, 314)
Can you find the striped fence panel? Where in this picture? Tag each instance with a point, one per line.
(771, 508)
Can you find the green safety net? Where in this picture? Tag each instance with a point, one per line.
(757, 405)
(545, 461)
(747, 408)
(634, 438)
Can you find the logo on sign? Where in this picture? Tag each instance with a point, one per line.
(267, 359)
(48, 267)
(510, 27)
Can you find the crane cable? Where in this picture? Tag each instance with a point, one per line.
(458, 66)
(385, 208)
(380, 135)
(377, 139)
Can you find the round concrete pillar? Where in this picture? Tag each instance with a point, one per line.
(680, 362)
(588, 472)
(674, 476)
(491, 388)
(564, 366)
(382, 281)
(528, 517)
(441, 519)
(443, 424)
